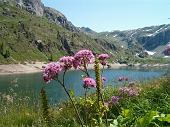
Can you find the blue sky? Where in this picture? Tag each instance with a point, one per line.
(108, 15)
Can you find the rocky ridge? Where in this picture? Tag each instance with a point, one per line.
(153, 38)
(37, 7)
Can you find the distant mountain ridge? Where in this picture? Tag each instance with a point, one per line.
(153, 38)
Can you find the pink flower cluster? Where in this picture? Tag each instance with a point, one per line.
(89, 82)
(129, 91)
(122, 78)
(114, 100)
(51, 70)
(102, 58)
(83, 56)
(67, 61)
(167, 50)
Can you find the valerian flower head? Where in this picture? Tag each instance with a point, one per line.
(102, 58)
(123, 79)
(83, 56)
(51, 70)
(67, 61)
(104, 79)
(129, 91)
(89, 82)
(114, 100)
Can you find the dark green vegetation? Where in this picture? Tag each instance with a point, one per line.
(151, 108)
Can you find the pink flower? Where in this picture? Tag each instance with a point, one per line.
(104, 79)
(130, 91)
(167, 50)
(83, 56)
(103, 58)
(120, 78)
(89, 82)
(115, 99)
(67, 61)
(123, 79)
(126, 78)
(51, 70)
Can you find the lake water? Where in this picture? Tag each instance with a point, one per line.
(31, 84)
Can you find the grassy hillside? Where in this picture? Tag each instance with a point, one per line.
(26, 37)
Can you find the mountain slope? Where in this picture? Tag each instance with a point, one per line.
(37, 8)
(26, 37)
(154, 38)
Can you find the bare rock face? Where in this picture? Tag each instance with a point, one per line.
(33, 6)
(37, 7)
(58, 18)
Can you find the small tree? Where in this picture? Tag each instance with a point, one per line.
(7, 54)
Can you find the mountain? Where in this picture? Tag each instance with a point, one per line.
(29, 31)
(37, 7)
(153, 38)
(87, 31)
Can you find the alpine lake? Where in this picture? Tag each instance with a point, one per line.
(30, 85)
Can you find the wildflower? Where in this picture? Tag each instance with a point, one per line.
(120, 79)
(89, 82)
(114, 99)
(106, 104)
(51, 70)
(126, 78)
(8, 98)
(83, 56)
(67, 61)
(103, 79)
(123, 79)
(130, 91)
(102, 58)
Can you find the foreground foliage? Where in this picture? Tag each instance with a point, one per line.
(150, 109)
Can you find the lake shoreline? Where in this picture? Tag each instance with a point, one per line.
(37, 67)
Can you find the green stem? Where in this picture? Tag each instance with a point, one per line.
(85, 97)
(75, 108)
(98, 86)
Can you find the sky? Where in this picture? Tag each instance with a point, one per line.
(109, 15)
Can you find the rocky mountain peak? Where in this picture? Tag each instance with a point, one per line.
(37, 7)
(33, 6)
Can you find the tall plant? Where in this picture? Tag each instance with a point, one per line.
(79, 61)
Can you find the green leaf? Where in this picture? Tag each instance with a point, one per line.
(146, 120)
(166, 118)
(125, 112)
(72, 93)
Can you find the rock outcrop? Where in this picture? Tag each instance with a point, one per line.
(37, 7)
(58, 18)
